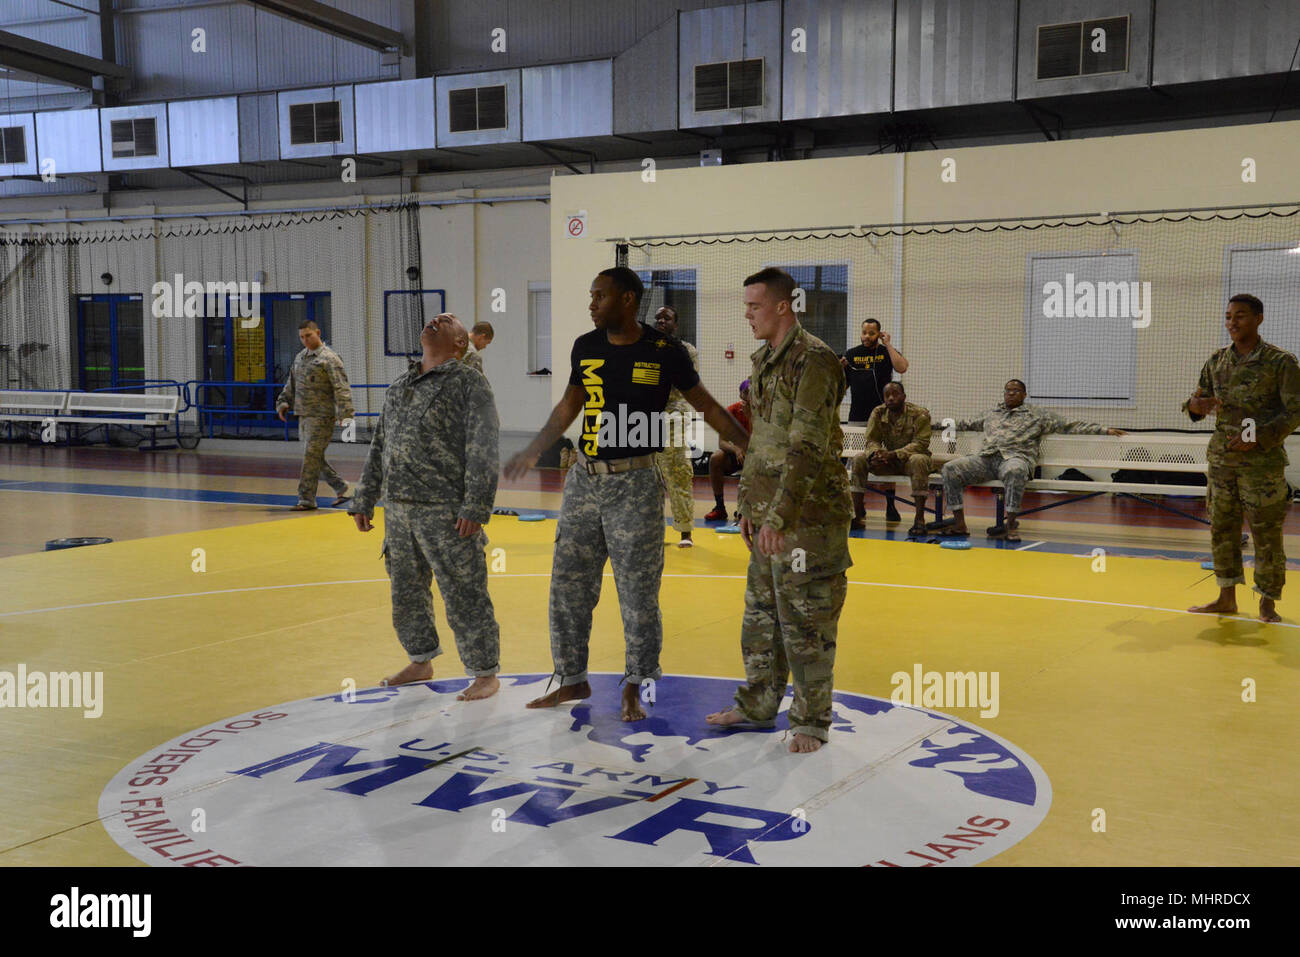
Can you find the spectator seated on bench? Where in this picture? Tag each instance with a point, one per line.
(897, 443)
(1013, 434)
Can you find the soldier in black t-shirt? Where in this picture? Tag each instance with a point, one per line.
(622, 372)
(869, 368)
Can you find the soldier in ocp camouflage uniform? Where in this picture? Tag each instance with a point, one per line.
(434, 456)
(318, 392)
(898, 443)
(794, 506)
(673, 462)
(1253, 389)
(1013, 438)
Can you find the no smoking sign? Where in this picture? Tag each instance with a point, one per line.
(576, 224)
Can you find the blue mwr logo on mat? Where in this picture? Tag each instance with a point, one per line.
(409, 776)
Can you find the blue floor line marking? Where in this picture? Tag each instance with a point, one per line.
(285, 501)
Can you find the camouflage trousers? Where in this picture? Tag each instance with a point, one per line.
(675, 471)
(619, 517)
(420, 542)
(316, 432)
(1260, 498)
(789, 630)
(917, 468)
(1013, 471)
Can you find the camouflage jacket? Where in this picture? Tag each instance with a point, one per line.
(317, 386)
(1264, 386)
(1020, 431)
(436, 444)
(472, 358)
(676, 401)
(792, 479)
(907, 433)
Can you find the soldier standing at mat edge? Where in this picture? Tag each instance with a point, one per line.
(434, 457)
(318, 392)
(1253, 390)
(613, 505)
(794, 508)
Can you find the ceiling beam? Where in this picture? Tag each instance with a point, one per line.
(335, 22)
(23, 55)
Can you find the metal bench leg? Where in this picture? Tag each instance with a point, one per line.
(1001, 507)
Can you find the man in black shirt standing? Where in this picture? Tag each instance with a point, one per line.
(869, 368)
(622, 373)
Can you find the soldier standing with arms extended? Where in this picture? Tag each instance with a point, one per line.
(794, 516)
(1253, 389)
(434, 457)
(613, 505)
(318, 392)
(673, 463)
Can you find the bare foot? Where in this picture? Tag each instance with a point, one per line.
(729, 716)
(632, 710)
(562, 694)
(804, 744)
(412, 673)
(1266, 610)
(1220, 606)
(484, 686)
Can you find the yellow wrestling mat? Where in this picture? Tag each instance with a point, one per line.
(1166, 737)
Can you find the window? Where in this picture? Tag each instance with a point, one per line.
(316, 122)
(1274, 276)
(137, 137)
(728, 86)
(13, 145)
(826, 302)
(539, 327)
(1080, 338)
(478, 108)
(1085, 48)
(405, 313)
(671, 287)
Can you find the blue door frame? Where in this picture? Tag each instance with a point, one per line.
(263, 399)
(113, 300)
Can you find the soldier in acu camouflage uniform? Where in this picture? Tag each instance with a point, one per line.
(673, 462)
(318, 392)
(613, 507)
(898, 443)
(476, 342)
(434, 457)
(1013, 437)
(1253, 390)
(794, 495)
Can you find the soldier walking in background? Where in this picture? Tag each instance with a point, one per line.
(794, 516)
(435, 459)
(318, 392)
(673, 463)
(1253, 390)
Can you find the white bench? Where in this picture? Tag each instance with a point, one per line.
(23, 405)
(1097, 456)
(132, 410)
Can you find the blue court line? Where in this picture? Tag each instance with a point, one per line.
(286, 501)
(160, 494)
